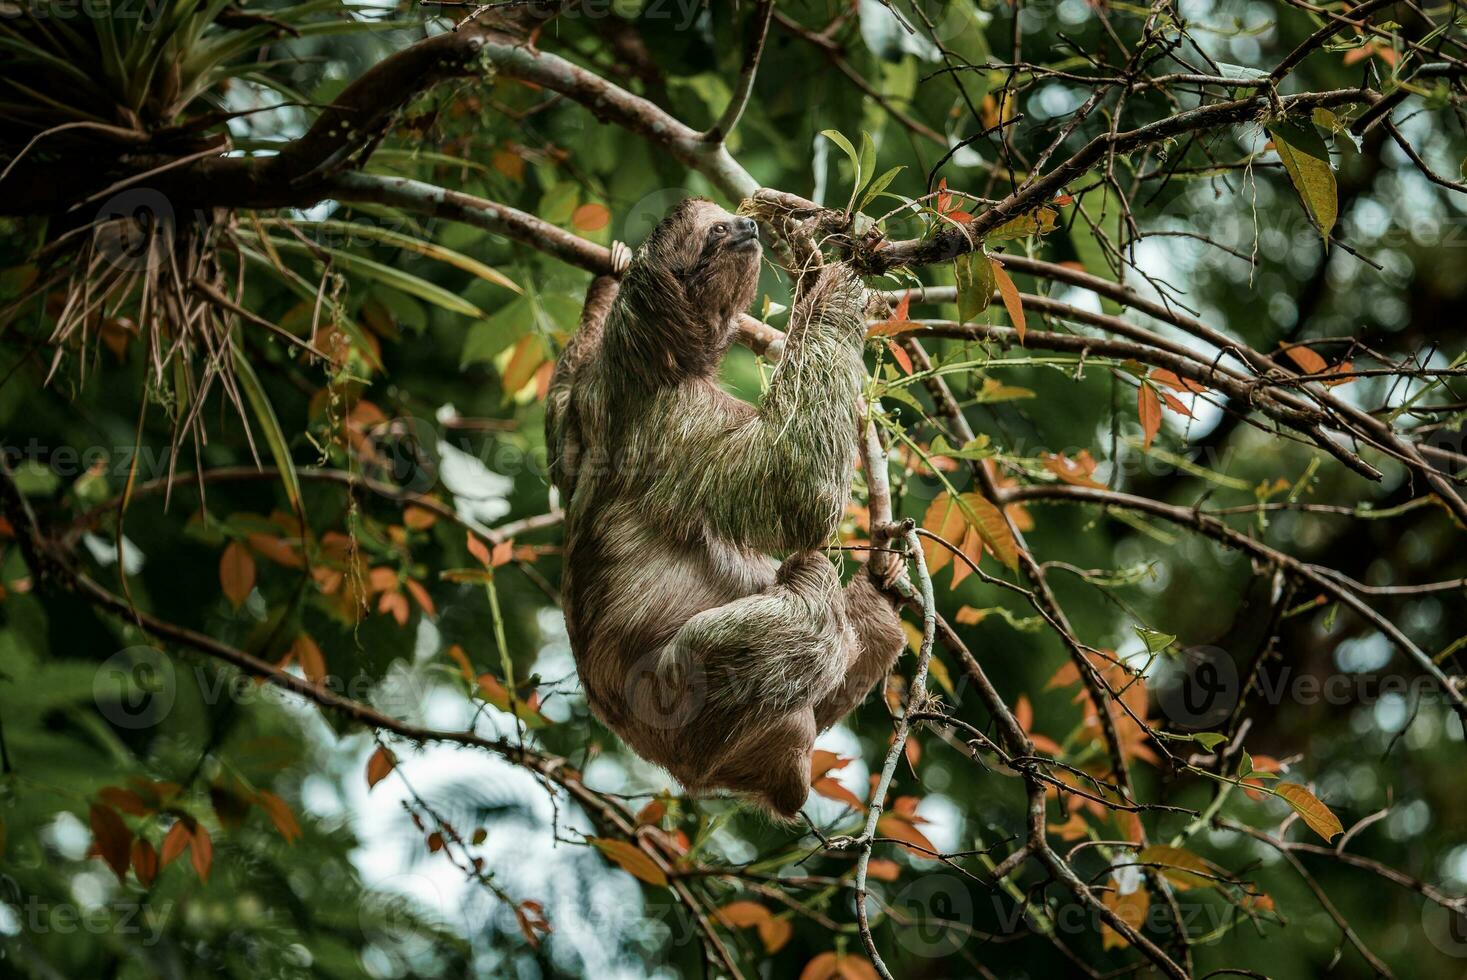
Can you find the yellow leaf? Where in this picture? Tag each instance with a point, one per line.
(1180, 866)
(1305, 157)
(1319, 817)
(630, 859)
(990, 524)
(525, 360)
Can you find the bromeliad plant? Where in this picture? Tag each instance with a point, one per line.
(154, 87)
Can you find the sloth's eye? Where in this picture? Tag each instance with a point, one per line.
(720, 229)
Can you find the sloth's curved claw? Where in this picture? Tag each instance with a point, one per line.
(621, 259)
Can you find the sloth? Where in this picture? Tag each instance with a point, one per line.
(703, 653)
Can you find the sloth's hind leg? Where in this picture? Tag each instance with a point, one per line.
(776, 650)
(878, 641)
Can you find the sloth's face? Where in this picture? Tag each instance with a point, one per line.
(714, 254)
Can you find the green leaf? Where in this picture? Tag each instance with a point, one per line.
(975, 282)
(976, 448)
(850, 151)
(559, 203)
(270, 426)
(878, 185)
(388, 276)
(995, 390)
(867, 162)
(1041, 222)
(1209, 740)
(1155, 641)
(487, 338)
(1306, 160)
(408, 243)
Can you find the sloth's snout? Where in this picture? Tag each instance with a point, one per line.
(744, 231)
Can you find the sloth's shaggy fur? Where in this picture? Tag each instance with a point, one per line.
(704, 654)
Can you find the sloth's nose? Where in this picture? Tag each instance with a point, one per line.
(744, 229)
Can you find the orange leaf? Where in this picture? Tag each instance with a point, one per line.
(630, 859)
(503, 554)
(279, 813)
(418, 518)
(972, 548)
(1010, 294)
(903, 306)
(897, 322)
(1315, 814)
(822, 762)
(773, 933)
(944, 519)
(277, 549)
(111, 839)
(832, 789)
(1148, 409)
(1309, 362)
(883, 869)
(381, 579)
(531, 916)
(969, 616)
(1130, 908)
(509, 163)
(125, 800)
(899, 828)
(381, 763)
(830, 966)
(900, 356)
(306, 653)
(652, 813)
(462, 659)
(525, 359)
(201, 852)
(1169, 378)
(1172, 402)
(1077, 472)
(994, 529)
(236, 573)
(395, 603)
(421, 597)
(175, 841)
(478, 549)
(144, 862)
(590, 217)
(1344, 367)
